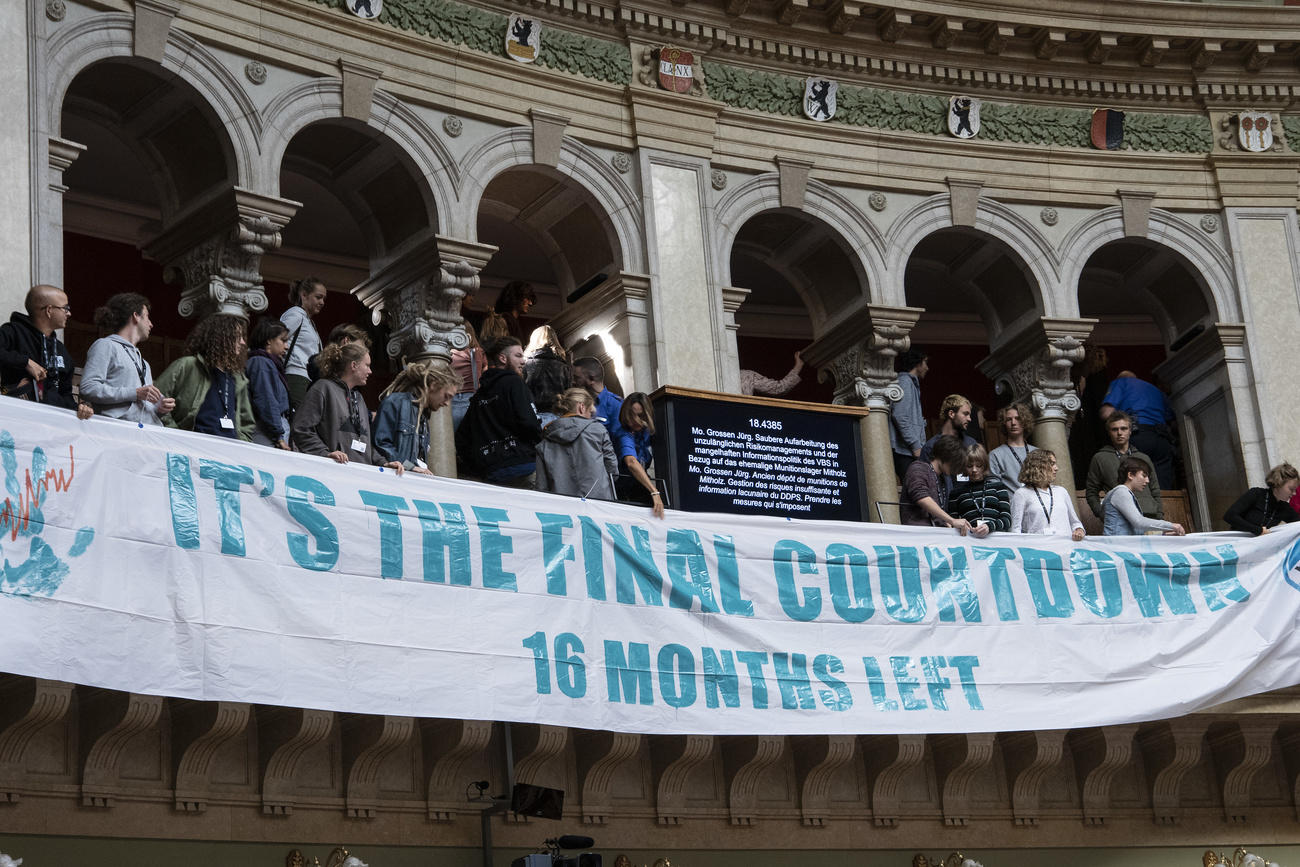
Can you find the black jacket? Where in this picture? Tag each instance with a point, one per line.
(500, 429)
(20, 341)
(547, 376)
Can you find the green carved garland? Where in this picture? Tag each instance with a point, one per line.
(925, 113)
(484, 31)
(773, 93)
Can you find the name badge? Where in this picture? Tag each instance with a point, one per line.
(421, 464)
(358, 446)
(58, 361)
(227, 424)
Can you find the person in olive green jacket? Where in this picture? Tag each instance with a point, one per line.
(208, 384)
(1104, 469)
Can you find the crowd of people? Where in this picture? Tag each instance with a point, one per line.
(523, 417)
(950, 480)
(528, 416)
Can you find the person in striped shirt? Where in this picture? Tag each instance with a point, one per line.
(983, 501)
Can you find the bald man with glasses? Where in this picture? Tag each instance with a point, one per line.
(34, 363)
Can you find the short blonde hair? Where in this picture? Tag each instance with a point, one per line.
(572, 398)
(1037, 469)
(1280, 475)
(952, 403)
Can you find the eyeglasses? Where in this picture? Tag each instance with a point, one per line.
(66, 308)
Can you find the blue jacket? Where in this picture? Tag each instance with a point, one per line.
(401, 433)
(269, 396)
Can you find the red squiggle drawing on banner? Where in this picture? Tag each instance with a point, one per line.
(15, 516)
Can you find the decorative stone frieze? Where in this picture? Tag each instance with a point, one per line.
(420, 292)
(776, 93)
(215, 251)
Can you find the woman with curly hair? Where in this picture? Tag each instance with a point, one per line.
(1040, 506)
(402, 423)
(333, 421)
(208, 383)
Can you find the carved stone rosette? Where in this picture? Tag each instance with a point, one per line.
(420, 295)
(220, 272)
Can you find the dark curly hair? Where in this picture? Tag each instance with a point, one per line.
(217, 339)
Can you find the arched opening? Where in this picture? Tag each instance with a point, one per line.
(976, 292)
(363, 202)
(154, 149)
(800, 274)
(550, 232)
(1149, 301)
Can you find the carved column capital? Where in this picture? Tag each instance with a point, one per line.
(859, 353)
(420, 292)
(1034, 366)
(220, 270)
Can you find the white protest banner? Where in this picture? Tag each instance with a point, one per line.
(160, 562)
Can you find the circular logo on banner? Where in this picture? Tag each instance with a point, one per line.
(1291, 565)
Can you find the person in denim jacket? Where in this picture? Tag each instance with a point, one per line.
(402, 423)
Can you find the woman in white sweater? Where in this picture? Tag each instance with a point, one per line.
(1040, 506)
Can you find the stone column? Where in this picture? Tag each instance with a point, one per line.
(215, 252)
(859, 353)
(732, 298)
(419, 295)
(618, 313)
(49, 241)
(1034, 367)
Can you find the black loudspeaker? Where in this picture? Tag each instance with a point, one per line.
(539, 801)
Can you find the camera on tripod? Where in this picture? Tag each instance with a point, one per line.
(552, 856)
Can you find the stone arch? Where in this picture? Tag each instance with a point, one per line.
(993, 219)
(1208, 260)
(322, 99)
(860, 237)
(112, 36)
(513, 148)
